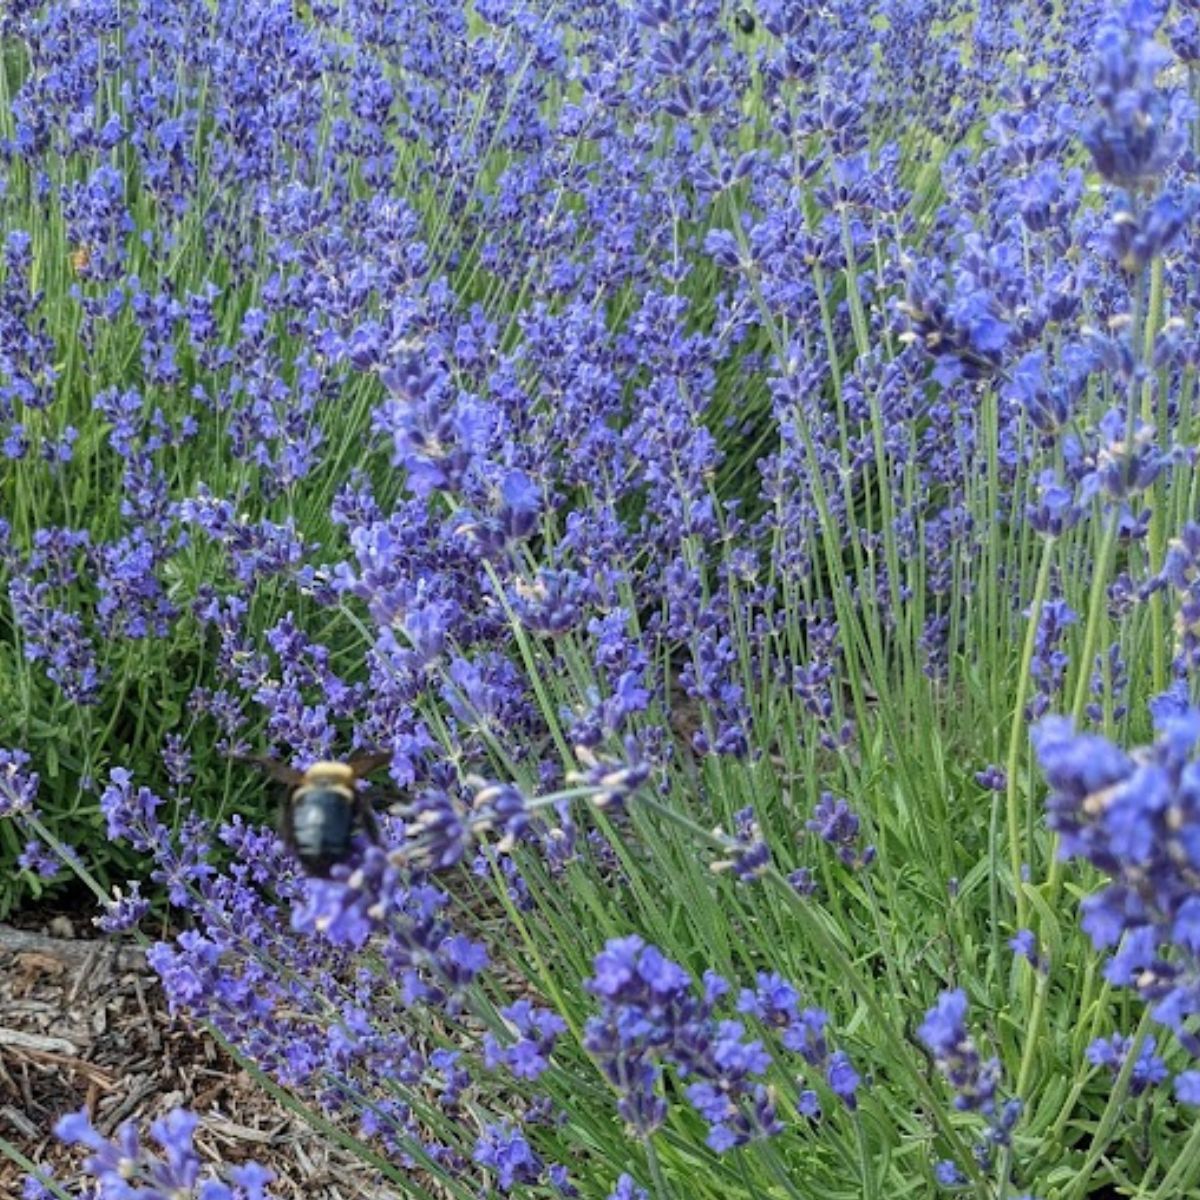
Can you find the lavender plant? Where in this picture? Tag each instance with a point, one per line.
(725, 455)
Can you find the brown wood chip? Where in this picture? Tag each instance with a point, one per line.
(221, 1127)
(73, 951)
(83, 974)
(34, 1041)
(19, 1121)
(52, 1061)
(152, 1033)
(35, 961)
(143, 1088)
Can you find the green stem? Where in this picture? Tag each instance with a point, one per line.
(662, 1189)
(890, 957)
(858, 318)
(781, 1176)
(1026, 1069)
(1035, 1022)
(1017, 734)
(870, 1191)
(1178, 1180)
(549, 711)
(1090, 637)
(69, 858)
(1095, 617)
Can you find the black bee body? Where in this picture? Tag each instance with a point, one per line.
(745, 21)
(323, 809)
(318, 819)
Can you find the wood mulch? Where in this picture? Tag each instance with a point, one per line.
(83, 1022)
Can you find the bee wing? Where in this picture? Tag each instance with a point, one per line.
(383, 799)
(277, 770)
(364, 764)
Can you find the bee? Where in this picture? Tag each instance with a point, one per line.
(322, 807)
(745, 20)
(81, 259)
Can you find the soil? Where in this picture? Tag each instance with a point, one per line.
(84, 1023)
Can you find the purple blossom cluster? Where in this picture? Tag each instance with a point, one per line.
(126, 1167)
(536, 1032)
(652, 1019)
(945, 1035)
(836, 823)
(1135, 816)
(975, 1081)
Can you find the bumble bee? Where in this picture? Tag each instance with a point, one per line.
(322, 806)
(745, 20)
(81, 259)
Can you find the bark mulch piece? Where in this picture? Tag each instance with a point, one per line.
(83, 1022)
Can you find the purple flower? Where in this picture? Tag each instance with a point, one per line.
(554, 603)
(537, 1030)
(975, 1082)
(992, 778)
(836, 823)
(945, 1034)
(124, 912)
(802, 881)
(503, 809)
(749, 855)
(843, 1079)
(1024, 944)
(1187, 1087)
(438, 833)
(948, 1174)
(177, 1172)
(651, 1019)
(1049, 663)
(560, 1181)
(18, 786)
(1136, 237)
(805, 1034)
(627, 1189)
(38, 1188)
(1148, 1071)
(75, 1129)
(130, 813)
(39, 859)
(504, 1149)
(1137, 819)
(1141, 128)
(616, 780)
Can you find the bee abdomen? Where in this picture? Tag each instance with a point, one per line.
(321, 824)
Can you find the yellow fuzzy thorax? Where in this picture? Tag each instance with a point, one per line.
(329, 774)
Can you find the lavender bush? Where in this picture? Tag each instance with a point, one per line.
(738, 460)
